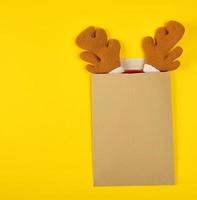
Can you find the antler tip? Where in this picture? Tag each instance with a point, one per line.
(86, 32)
(175, 24)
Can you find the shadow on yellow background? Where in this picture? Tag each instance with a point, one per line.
(45, 113)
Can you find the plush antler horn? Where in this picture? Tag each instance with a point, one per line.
(103, 54)
(158, 51)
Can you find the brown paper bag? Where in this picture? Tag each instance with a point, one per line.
(132, 129)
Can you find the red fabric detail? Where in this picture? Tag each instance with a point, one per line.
(131, 71)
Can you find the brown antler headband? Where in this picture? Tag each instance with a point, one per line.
(103, 54)
(158, 51)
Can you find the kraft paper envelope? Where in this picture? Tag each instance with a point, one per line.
(132, 129)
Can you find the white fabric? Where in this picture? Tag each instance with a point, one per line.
(132, 63)
(117, 70)
(149, 68)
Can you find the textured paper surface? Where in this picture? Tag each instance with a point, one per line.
(132, 129)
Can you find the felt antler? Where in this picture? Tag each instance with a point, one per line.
(158, 51)
(103, 54)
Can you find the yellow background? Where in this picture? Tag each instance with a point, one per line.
(45, 113)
